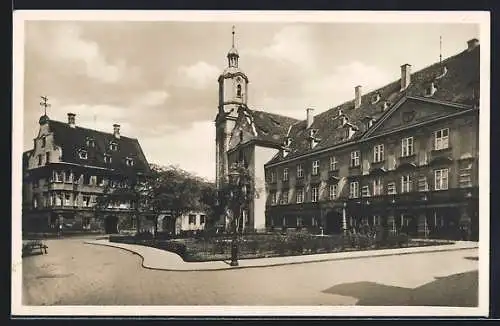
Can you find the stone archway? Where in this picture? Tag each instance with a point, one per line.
(111, 224)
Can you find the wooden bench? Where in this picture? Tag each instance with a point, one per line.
(31, 245)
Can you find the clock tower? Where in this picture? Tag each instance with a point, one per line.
(233, 90)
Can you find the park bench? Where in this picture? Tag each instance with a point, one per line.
(32, 245)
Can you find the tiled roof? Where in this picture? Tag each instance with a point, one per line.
(72, 140)
(460, 85)
(271, 127)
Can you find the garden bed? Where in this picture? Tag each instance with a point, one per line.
(273, 245)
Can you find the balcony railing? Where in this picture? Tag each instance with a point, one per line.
(441, 155)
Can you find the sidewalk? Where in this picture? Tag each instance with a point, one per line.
(158, 259)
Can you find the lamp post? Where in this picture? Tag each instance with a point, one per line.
(238, 193)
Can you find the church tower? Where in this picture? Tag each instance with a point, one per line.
(233, 90)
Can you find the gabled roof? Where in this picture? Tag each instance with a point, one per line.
(270, 127)
(459, 85)
(73, 140)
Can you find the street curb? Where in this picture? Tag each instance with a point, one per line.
(277, 264)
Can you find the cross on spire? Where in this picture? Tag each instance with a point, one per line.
(44, 104)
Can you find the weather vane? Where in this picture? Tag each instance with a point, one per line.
(44, 104)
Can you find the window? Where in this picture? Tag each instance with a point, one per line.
(300, 196)
(365, 191)
(407, 146)
(192, 219)
(93, 180)
(333, 163)
(59, 200)
(47, 157)
(202, 219)
(67, 200)
(273, 198)
(35, 202)
(35, 184)
(315, 167)
(129, 161)
(68, 177)
(39, 159)
(113, 146)
(57, 176)
(378, 188)
(441, 179)
(272, 176)
(284, 197)
(83, 155)
(285, 174)
(465, 179)
(238, 91)
(100, 180)
(314, 222)
(300, 222)
(44, 142)
(314, 194)
(355, 158)
(441, 139)
(391, 188)
(300, 171)
(405, 183)
(90, 143)
(86, 201)
(422, 183)
(107, 158)
(378, 153)
(86, 179)
(332, 192)
(354, 189)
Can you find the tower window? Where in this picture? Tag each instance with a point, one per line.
(238, 91)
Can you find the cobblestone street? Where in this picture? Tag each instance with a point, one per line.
(74, 273)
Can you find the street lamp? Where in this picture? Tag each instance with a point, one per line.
(238, 195)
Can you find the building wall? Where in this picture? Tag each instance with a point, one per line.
(262, 155)
(183, 222)
(54, 152)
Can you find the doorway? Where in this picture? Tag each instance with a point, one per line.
(111, 224)
(333, 222)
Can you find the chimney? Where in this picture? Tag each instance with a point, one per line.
(71, 120)
(471, 44)
(357, 97)
(310, 117)
(116, 130)
(405, 76)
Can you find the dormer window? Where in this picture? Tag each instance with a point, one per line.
(443, 72)
(113, 146)
(287, 142)
(238, 91)
(90, 142)
(129, 161)
(107, 158)
(83, 155)
(385, 106)
(375, 98)
(430, 90)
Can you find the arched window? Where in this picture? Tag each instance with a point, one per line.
(238, 91)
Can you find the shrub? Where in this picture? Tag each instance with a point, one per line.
(146, 235)
(402, 239)
(253, 246)
(364, 241)
(172, 246)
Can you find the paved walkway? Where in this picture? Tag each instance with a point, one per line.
(157, 259)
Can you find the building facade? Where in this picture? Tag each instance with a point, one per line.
(67, 170)
(404, 156)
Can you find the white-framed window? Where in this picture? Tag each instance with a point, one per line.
(192, 219)
(354, 189)
(315, 167)
(441, 139)
(441, 179)
(314, 194)
(67, 199)
(90, 142)
(300, 221)
(300, 171)
(113, 146)
(465, 179)
(35, 202)
(202, 219)
(107, 158)
(83, 155)
(378, 187)
(284, 197)
(129, 161)
(285, 174)
(365, 191)
(332, 192)
(300, 196)
(391, 188)
(423, 185)
(58, 199)
(378, 153)
(68, 176)
(333, 163)
(273, 198)
(407, 146)
(86, 201)
(376, 219)
(314, 222)
(405, 183)
(355, 158)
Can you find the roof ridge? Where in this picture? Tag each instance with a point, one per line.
(95, 130)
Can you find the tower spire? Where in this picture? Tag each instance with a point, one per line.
(233, 36)
(440, 49)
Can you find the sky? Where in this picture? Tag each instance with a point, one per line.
(158, 80)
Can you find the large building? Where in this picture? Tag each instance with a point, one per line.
(69, 167)
(404, 156)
